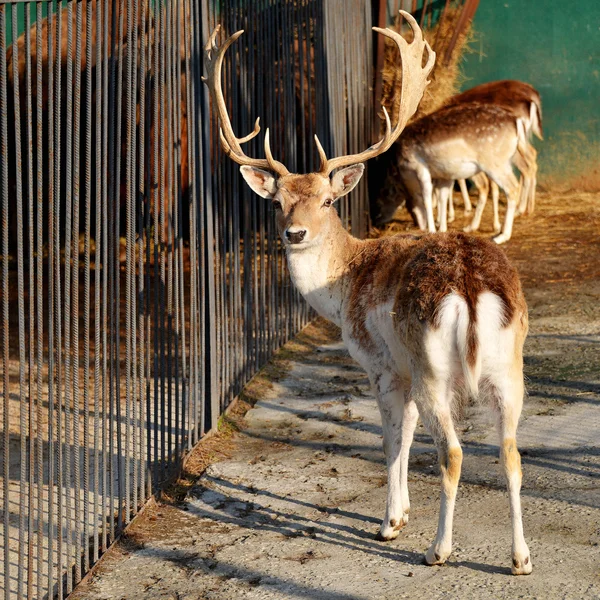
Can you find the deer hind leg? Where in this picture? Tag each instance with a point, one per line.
(506, 179)
(507, 393)
(445, 191)
(525, 160)
(495, 202)
(398, 428)
(483, 187)
(451, 213)
(433, 399)
(462, 184)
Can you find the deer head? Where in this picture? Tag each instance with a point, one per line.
(304, 203)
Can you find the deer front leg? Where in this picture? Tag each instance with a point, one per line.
(427, 193)
(481, 183)
(444, 194)
(398, 422)
(495, 202)
(462, 184)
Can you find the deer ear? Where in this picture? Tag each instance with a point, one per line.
(346, 179)
(261, 182)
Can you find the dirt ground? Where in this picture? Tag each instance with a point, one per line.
(290, 502)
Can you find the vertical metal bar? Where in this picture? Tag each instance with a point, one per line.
(163, 234)
(142, 233)
(146, 406)
(136, 247)
(175, 236)
(239, 372)
(209, 313)
(112, 207)
(4, 282)
(116, 299)
(170, 158)
(99, 268)
(106, 444)
(180, 327)
(40, 314)
(58, 305)
(217, 364)
(31, 290)
(202, 131)
(86, 287)
(191, 421)
(76, 212)
(129, 260)
(155, 186)
(52, 275)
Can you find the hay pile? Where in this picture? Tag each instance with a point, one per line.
(446, 77)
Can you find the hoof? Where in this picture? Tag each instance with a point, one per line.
(435, 556)
(391, 530)
(468, 229)
(500, 239)
(521, 566)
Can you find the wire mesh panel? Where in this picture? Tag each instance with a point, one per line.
(141, 284)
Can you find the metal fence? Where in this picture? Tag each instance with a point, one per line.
(141, 284)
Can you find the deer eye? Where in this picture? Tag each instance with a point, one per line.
(276, 205)
(328, 202)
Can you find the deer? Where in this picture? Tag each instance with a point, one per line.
(425, 316)
(456, 143)
(524, 101)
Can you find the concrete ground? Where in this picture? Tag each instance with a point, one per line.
(290, 505)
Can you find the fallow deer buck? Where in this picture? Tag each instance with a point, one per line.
(524, 101)
(425, 317)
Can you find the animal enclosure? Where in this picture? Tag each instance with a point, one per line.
(136, 294)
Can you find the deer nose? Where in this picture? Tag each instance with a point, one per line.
(295, 237)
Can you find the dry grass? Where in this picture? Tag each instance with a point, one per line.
(446, 77)
(558, 244)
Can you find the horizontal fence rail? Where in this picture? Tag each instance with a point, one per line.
(141, 283)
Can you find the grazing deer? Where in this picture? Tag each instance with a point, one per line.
(424, 316)
(524, 101)
(456, 143)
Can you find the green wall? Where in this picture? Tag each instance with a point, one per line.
(555, 46)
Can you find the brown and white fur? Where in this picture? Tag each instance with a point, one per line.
(457, 143)
(524, 101)
(425, 316)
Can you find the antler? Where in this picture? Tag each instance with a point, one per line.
(414, 82)
(213, 60)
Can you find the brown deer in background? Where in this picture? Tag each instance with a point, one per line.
(425, 317)
(456, 143)
(524, 102)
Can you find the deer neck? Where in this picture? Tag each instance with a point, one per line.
(319, 272)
